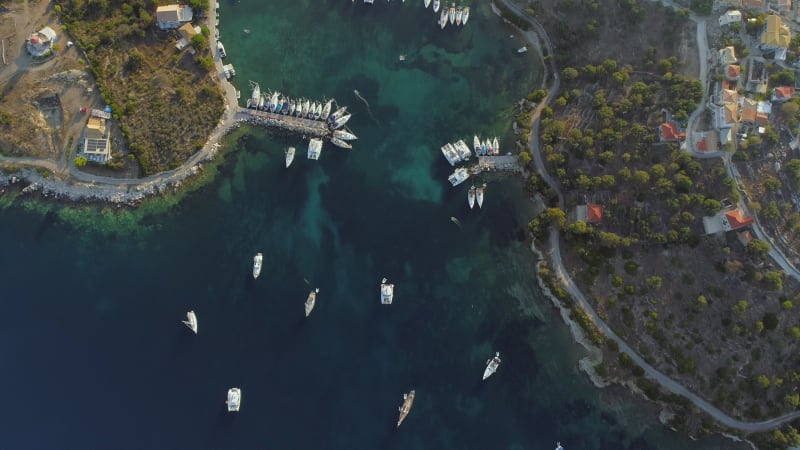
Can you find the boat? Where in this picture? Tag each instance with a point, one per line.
(340, 143)
(458, 16)
(220, 49)
(314, 148)
(306, 107)
(273, 102)
(338, 113)
(318, 111)
(471, 197)
(289, 156)
(491, 366)
(279, 106)
(452, 13)
(255, 97)
(344, 135)
(476, 144)
(522, 49)
(455, 221)
(234, 401)
(291, 107)
(257, 265)
(496, 146)
(479, 195)
(285, 107)
(436, 6)
(463, 150)
(458, 176)
(558, 446)
(326, 111)
(369, 1)
(465, 16)
(229, 71)
(311, 301)
(405, 408)
(387, 292)
(246, 31)
(191, 321)
(427, 3)
(443, 18)
(338, 123)
(488, 145)
(261, 101)
(450, 154)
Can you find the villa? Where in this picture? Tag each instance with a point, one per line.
(173, 16)
(96, 140)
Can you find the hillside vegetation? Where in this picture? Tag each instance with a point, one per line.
(166, 101)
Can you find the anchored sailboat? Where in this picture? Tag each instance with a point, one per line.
(311, 301)
(387, 292)
(289, 156)
(405, 408)
(191, 321)
(257, 265)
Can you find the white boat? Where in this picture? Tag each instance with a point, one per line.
(229, 71)
(522, 49)
(314, 148)
(463, 150)
(452, 13)
(496, 146)
(471, 197)
(450, 154)
(326, 111)
(338, 113)
(191, 321)
(476, 144)
(311, 301)
(344, 135)
(427, 3)
(458, 15)
(273, 102)
(491, 366)
(488, 144)
(340, 143)
(306, 107)
(234, 400)
(255, 97)
(436, 6)
(257, 265)
(369, 1)
(338, 123)
(558, 446)
(479, 195)
(221, 49)
(405, 408)
(387, 292)
(289, 156)
(465, 16)
(318, 111)
(443, 18)
(458, 176)
(261, 101)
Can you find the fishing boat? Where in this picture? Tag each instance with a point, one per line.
(452, 13)
(344, 135)
(443, 18)
(289, 156)
(405, 408)
(465, 16)
(471, 197)
(338, 123)
(340, 143)
(220, 49)
(314, 148)
(387, 292)
(234, 400)
(436, 6)
(191, 321)
(476, 144)
(496, 146)
(257, 265)
(491, 366)
(458, 176)
(311, 301)
(427, 3)
(255, 97)
(326, 111)
(479, 195)
(458, 16)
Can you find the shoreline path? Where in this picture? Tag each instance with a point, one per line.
(535, 38)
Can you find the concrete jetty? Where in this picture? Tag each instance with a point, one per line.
(306, 127)
(496, 162)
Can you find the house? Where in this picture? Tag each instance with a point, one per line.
(728, 96)
(756, 113)
(589, 213)
(172, 16)
(776, 35)
(725, 116)
(748, 110)
(763, 110)
(668, 132)
(40, 44)
(733, 72)
(96, 139)
(730, 17)
(726, 56)
(782, 93)
(186, 32)
(734, 220)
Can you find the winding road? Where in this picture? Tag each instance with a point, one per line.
(558, 267)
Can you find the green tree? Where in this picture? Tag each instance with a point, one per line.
(569, 73)
(199, 42)
(773, 281)
(524, 158)
(653, 282)
(758, 248)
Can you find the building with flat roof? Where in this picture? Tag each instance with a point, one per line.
(96, 141)
(169, 17)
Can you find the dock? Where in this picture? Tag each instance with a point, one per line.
(306, 127)
(496, 163)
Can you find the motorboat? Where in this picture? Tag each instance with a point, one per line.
(255, 98)
(221, 49)
(285, 107)
(465, 15)
(479, 195)
(427, 3)
(344, 135)
(387, 292)
(289, 156)
(405, 408)
(458, 16)
(234, 401)
(229, 71)
(436, 6)
(311, 301)
(191, 321)
(257, 265)
(476, 144)
(314, 148)
(522, 49)
(458, 176)
(471, 197)
(338, 123)
(340, 143)
(491, 366)
(326, 111)
(496, 146)
(443, 18)
(451, 14)
(558, 446)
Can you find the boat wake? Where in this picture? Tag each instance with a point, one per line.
(355, 91)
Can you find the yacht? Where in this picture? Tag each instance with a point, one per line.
(289, 156)
(491, 366)
(387, 292)
(234, 401)
(427, 3)
(458, 15)
(220, 49)
(471, 197)
(314, 148)
(465, 16)
(443, 18)
(255, 97)
(311, 301)
(451, 154)
(340, 143)
(463, 149)
(326, 111)
(436, 6)
(476, 144)
(191, 321)
(405, 408)
(479, 195)
(344, 135)
(458, 176)
(496, 146)
(452, 13)
(338, 123)
(257, 265)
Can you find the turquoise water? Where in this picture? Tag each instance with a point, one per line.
(90, 321)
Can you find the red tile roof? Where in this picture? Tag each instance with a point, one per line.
(736, 220)
(594, 213)
(669, 132)
(782, 92)
(702, 145)
(734, 71)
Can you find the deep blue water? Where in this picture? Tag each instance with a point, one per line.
(94, 355)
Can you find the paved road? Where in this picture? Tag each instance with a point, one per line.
(558, 267)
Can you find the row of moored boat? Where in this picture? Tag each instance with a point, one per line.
(456, 15)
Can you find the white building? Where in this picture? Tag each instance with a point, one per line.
(173, 16)
(730, 17)
(41, 43)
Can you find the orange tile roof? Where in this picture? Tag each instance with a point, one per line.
(594, 213)
(782, 92)
(734, 71)
(702, 145)
(669, 132)
(736, 220)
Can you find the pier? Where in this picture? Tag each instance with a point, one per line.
(300, 125)
(496, 162)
